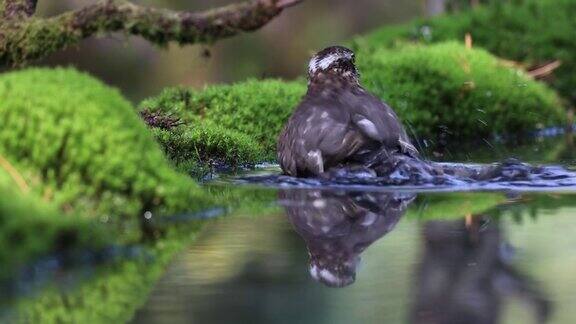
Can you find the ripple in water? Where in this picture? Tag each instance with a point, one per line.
(406, 173)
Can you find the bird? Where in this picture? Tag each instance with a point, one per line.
(338, 123)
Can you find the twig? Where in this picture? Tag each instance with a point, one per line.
(16, 176)
(545, 70)
(468, 40)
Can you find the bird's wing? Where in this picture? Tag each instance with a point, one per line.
(329, 131)
(317, 135)
(379, 122)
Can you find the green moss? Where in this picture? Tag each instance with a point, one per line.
(465, 93)
(92, 166)
(255, 108)
(32, 38)
(209, 145)
(437, 89)
(83, 147)
(530, 31)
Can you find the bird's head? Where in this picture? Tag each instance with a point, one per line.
(335, 275)
(335, 60)
(333, 271)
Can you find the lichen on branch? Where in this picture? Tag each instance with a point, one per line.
(14, 9)
(25, 39)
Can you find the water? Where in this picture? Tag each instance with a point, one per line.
(358, 255)
(343, 254)
(430, 258)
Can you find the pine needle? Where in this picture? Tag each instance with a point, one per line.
(16, 176)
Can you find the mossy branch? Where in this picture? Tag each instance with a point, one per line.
(22, 40)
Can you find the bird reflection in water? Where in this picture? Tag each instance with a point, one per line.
(337, 226)
(465, 274)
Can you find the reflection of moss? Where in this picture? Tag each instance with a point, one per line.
(246, 200)
(29, 228)
(531, 31)
(454, 205)
(111, 296)
(534, 205)
(117, 290)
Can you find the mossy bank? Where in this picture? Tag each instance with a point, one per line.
(532, 32)
(439, 90)
(79, 169)
(81, 172)
(81, 145)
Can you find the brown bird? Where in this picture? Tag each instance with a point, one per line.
(338, 123)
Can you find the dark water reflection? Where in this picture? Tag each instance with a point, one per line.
(397, 258)
(338, 226)
(466, 271)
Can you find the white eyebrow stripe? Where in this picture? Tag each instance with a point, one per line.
(312, 66)
(325, 62)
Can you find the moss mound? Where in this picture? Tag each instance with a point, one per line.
(439, 89)
(530, 31)
(209, 146)
(91, 166)
(447, 88)
(254, 108)
(83, 147)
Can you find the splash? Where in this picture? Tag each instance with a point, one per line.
(410, 174)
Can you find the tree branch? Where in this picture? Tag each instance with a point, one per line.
(21, 41)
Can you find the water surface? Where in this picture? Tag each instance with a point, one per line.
(345, 257)
(310, 254)
(394, 255)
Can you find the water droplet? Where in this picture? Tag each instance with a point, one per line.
(426, 32)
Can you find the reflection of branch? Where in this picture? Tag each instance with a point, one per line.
(24, 39)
